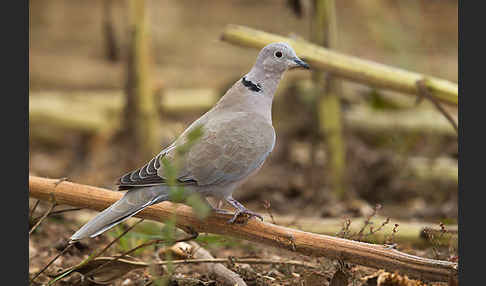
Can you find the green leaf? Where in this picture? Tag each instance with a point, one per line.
(201, 209)
(169, 230)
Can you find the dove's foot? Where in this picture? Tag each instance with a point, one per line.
(244, 212)
(241, 210)
(221, 211)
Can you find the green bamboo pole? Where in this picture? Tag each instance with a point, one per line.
(329, 88)
(348, 67)
(141, 114)
(66, 110)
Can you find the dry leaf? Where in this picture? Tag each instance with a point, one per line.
(339, 279)
(383, 278)
(313, 278)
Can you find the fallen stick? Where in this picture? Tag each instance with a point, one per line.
(370, 255)
(192, 250)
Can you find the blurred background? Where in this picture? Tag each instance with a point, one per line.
(88, 58)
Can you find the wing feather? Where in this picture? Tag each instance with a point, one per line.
(148, 175)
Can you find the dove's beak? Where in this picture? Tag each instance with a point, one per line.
(298, 63)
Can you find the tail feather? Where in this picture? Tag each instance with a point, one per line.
(134, 201)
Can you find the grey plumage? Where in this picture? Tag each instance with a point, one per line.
(237, 138)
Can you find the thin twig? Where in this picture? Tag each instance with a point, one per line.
(372, 231)
(50, 262)
(267, 206)
(63, 179)
(344, 232)
(42, 218)
(91, 257)
(368, 221)
(229, 260)
(424, 92)
(436, 240)
(54, 204)
(157, 241)
(391, 239)
(64, 211)
(33, 209)
(118, 238)
(152, 242)
(242, 261)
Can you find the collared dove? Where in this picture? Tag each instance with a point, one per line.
(237, 138)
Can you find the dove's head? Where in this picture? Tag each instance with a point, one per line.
(279, 57)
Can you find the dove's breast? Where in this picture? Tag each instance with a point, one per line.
(233, 145)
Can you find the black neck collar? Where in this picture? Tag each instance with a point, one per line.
(250, 85)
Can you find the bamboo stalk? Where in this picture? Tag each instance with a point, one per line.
(347, 67)
(420, 120)
(441, 169)
(366, 254)
(63, 113)
(51, 113)
(141, 114)
(328, 97)
(97, 111)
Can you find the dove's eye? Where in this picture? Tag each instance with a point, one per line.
(278, 54)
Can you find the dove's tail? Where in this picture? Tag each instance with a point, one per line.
(130, 204)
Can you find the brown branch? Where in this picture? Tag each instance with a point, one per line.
(64, 211)
(128, 252)
(90, 258)
(46, 214)
(365, 254)
(232, 260)
(243, 261)
(50, 262)
(192, 250)
(31, 215)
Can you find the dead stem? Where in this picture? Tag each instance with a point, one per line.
(157, 241)
(93, 256)
(118, 238)
(424, 92)
(64, 211)
(42, 218)
(367, 222)
(50, 262)
(33, 209)
(242, 261)
(267, 206)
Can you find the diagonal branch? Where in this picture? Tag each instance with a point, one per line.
(424, 91)
(345, 66)
(371, 255)
(42, 218)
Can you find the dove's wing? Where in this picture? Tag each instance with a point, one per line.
(233, 145)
